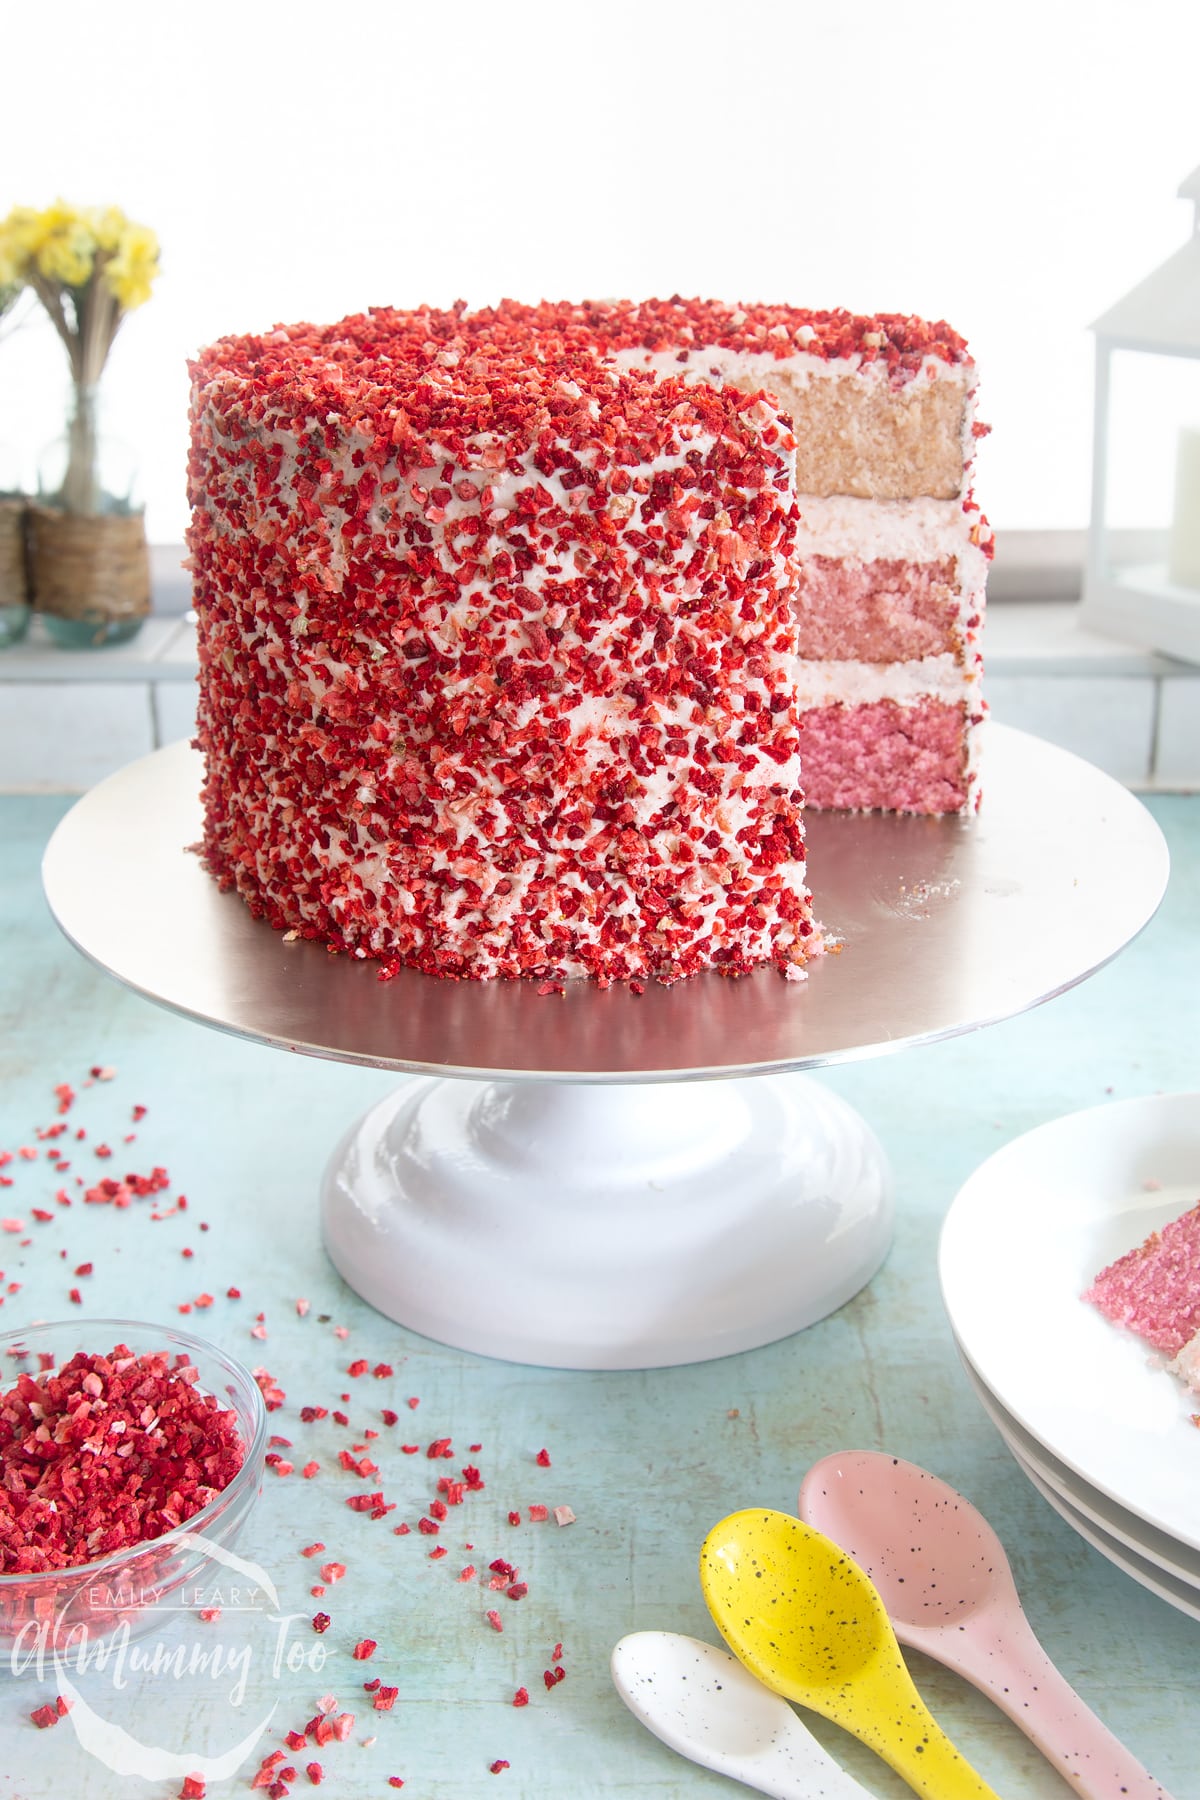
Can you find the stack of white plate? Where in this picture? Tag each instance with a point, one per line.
(1095, 1421)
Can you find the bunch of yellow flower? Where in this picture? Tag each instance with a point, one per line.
(89, 267)
(74, 247)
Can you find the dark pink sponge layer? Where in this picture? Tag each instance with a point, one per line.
(1154, 1290)
(885, 756)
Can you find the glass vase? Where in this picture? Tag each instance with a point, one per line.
(89, 559)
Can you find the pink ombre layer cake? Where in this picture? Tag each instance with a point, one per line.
(514, 625)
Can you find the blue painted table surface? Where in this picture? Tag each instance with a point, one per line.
(647, 1461)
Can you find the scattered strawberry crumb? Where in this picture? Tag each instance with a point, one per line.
(521, 1697)
(494, 1620)
(542, 1459)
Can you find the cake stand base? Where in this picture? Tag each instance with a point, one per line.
(616, 1227)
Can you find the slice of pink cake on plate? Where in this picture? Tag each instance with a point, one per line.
(1154, 1291)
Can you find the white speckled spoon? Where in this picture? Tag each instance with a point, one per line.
(703, 1703)
(942, 1574)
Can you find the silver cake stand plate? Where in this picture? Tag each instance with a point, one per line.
(568, 1184)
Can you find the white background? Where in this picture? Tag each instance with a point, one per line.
(1009, 167)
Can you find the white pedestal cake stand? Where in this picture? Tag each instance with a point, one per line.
(582, 1193)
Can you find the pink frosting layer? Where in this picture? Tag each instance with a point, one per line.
(885, 611)
(1154, 1290)
(886, 756)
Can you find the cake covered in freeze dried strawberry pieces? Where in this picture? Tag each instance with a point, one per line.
(514, 624)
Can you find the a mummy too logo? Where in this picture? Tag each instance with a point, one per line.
(220, 1631)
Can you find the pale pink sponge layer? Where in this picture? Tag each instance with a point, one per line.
(909, 758)
(1154, 1290)
(878, 612)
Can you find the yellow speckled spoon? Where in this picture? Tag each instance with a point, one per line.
(805, 1619)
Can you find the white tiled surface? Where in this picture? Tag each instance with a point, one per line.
(61, 737)
(69, 718)
(1178, 761)
(1109, 720)
(175, 710)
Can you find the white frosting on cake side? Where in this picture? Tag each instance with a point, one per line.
(519, 763)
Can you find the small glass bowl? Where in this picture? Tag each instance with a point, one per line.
(128, 1592)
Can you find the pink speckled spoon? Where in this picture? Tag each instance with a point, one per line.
(943, 1576)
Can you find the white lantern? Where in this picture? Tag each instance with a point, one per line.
(1142, 578)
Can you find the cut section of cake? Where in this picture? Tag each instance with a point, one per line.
(891, 550)
(1154, 1291)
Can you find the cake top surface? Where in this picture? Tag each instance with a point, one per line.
(900, 341)
(388, 352)
(406, 385)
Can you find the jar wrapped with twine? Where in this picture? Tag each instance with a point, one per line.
(14, 582)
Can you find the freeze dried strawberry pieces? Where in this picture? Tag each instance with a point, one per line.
(107, 1452)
